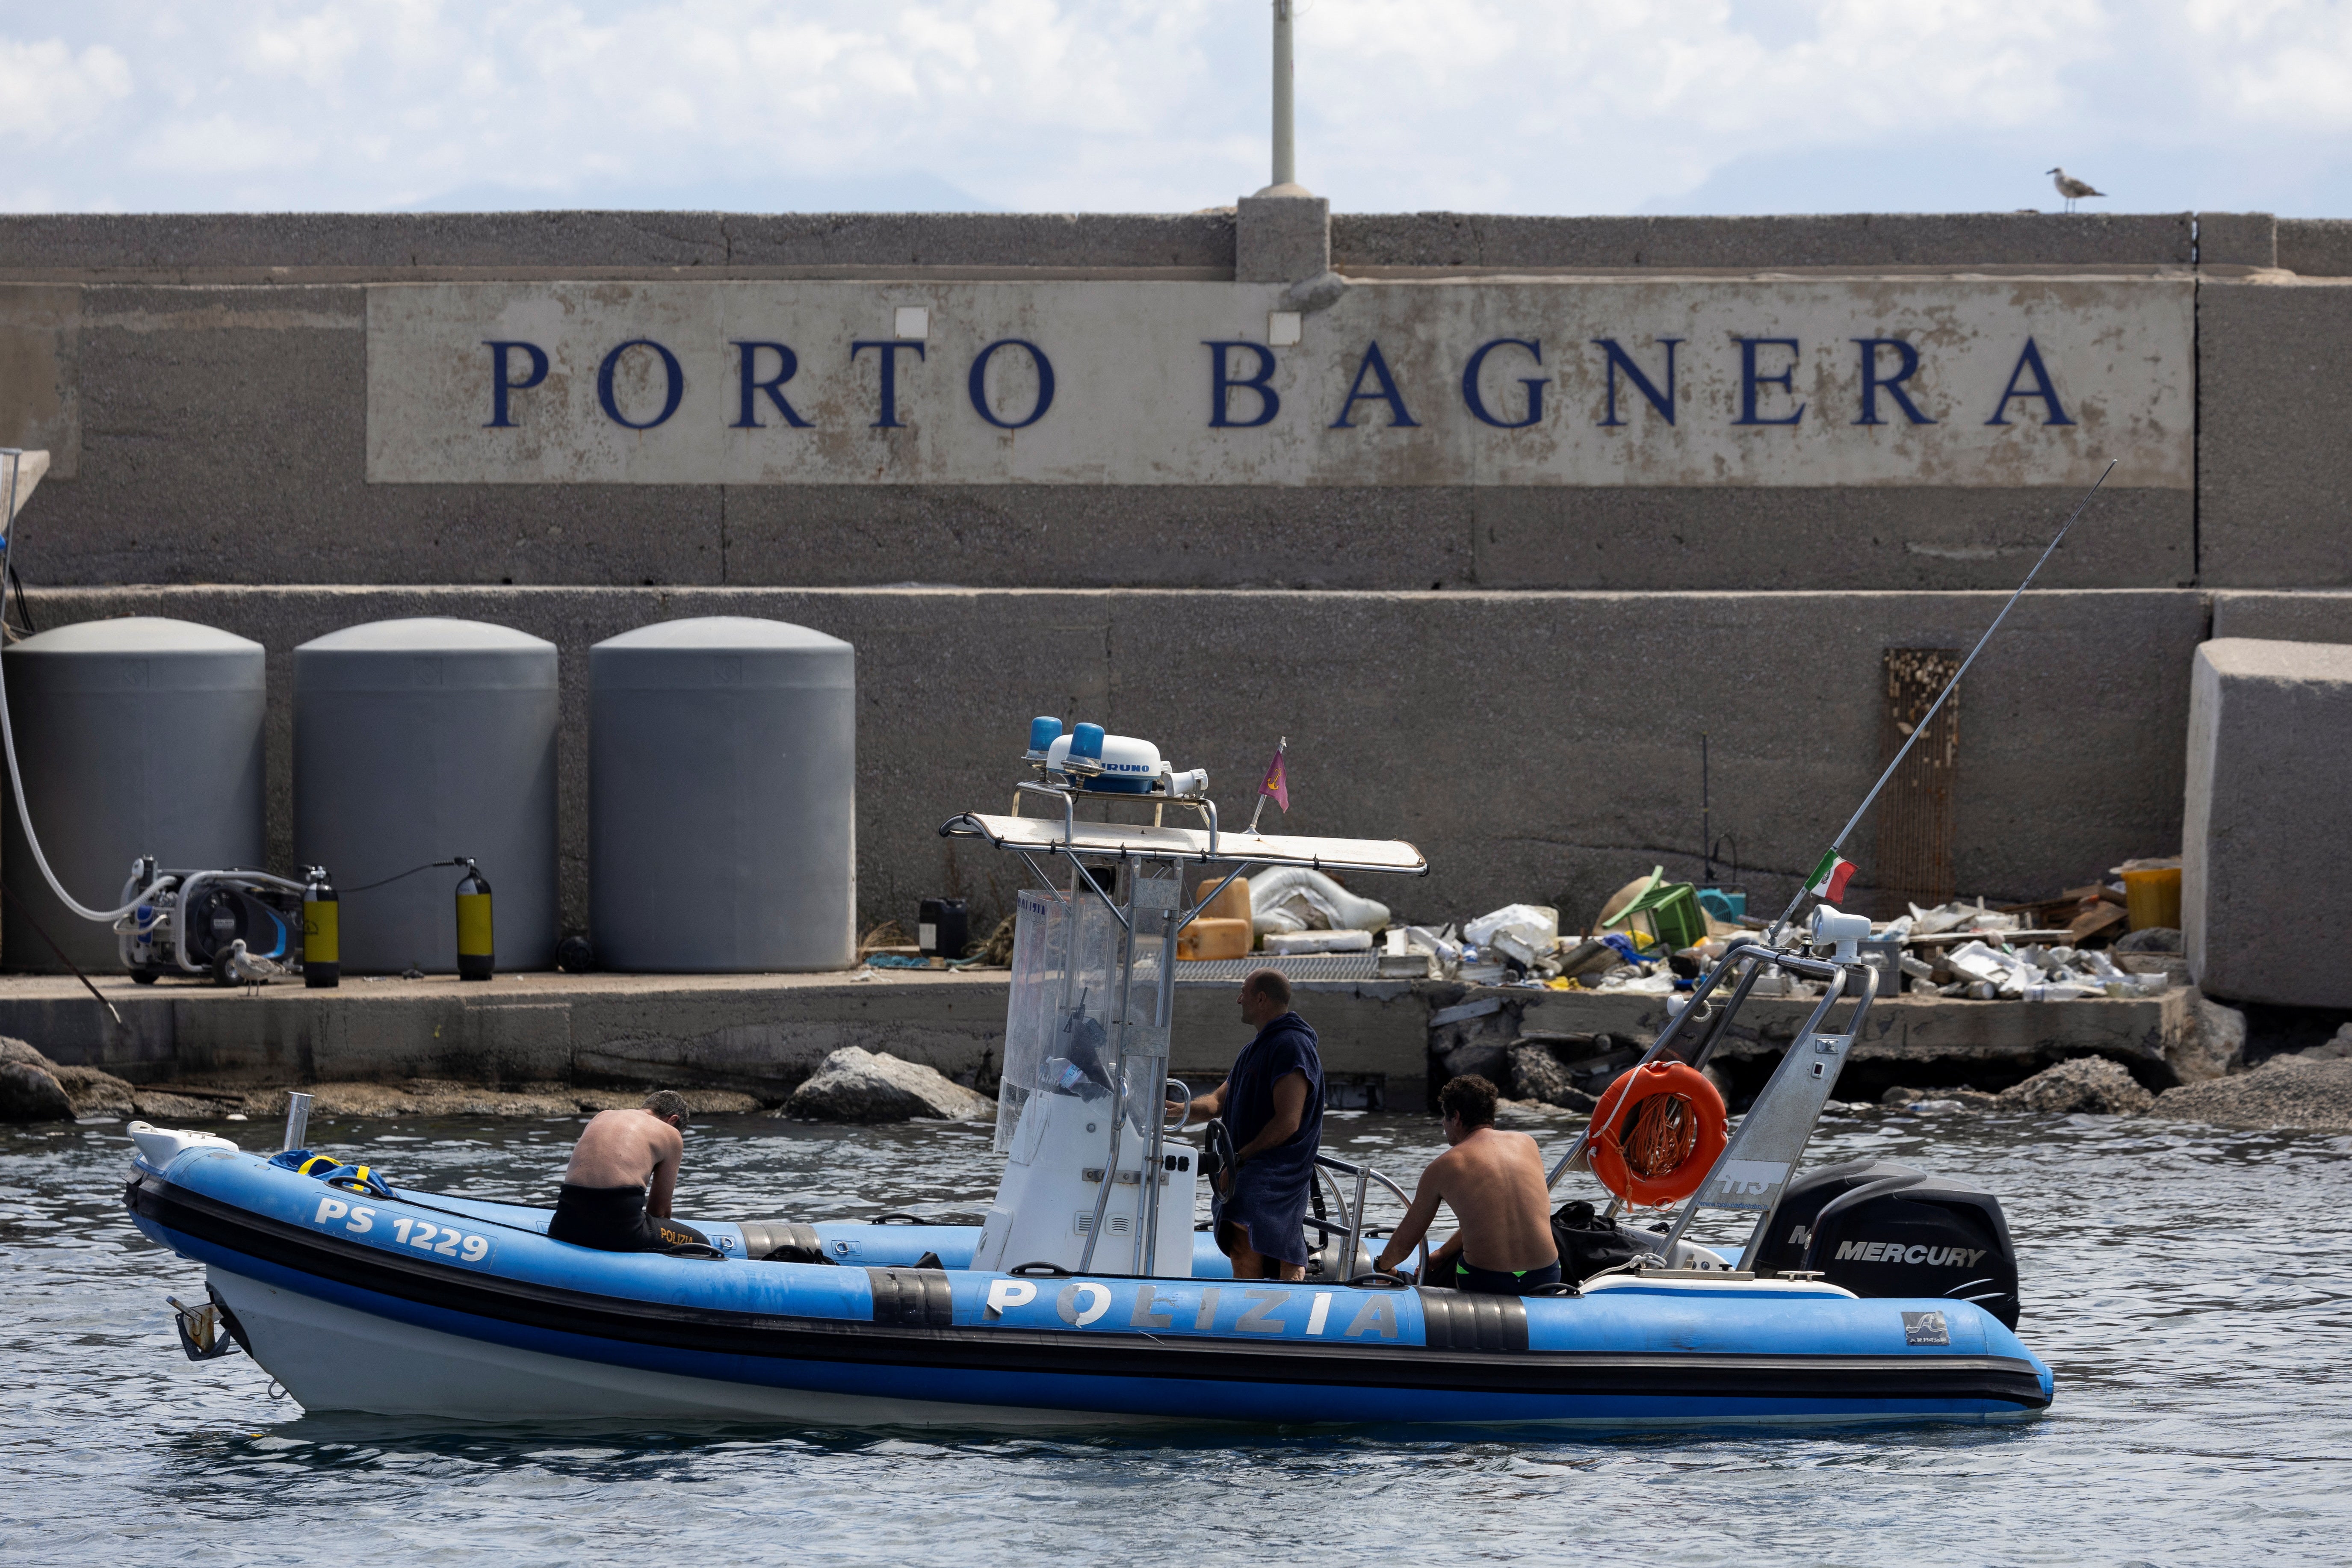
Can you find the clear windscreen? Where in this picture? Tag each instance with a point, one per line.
(1061, 1026)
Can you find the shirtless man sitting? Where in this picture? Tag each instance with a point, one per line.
(1493, 1181)
(605, 1203)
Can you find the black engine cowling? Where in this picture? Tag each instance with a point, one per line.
(1881, 1229)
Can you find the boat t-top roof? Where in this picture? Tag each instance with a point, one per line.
(1143, 841)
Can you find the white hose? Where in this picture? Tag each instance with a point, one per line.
(8, 738)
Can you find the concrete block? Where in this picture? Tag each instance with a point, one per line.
(1281, 239)
(1367, 241)
(1101, 536)
(2237, 239)
(178, 244)
(40, 378)
(2275, 476)
(2270, 747)
(225, 437)
(1917, 537)
(1498, 730)
(2284, 615)
(2315, 246)
(1174, 242)
(174, 245)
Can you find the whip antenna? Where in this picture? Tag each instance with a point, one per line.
(1772, 938)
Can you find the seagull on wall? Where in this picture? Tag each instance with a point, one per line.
(2073, 189)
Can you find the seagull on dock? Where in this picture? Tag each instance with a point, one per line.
(2073, 189)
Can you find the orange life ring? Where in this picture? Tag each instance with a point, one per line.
(1657, 1132)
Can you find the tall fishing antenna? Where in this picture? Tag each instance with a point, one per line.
(1706, 824)
(1772, 937)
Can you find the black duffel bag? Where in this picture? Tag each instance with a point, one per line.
(1589, 1243)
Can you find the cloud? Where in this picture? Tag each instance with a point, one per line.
(49, 93)
(1562, 106)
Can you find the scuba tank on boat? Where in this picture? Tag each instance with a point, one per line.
(1881, 1229)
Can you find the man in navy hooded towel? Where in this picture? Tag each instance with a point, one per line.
(1272, 1104)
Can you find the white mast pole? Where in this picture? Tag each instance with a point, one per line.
(1285, 142)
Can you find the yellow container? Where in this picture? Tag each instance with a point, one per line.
(1232, 904)
(1205, 938)
(2153, 897)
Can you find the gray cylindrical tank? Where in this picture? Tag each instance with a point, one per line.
(422, 739)
(140, 736)
(722, 798)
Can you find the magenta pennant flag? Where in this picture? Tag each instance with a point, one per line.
(1277, 785)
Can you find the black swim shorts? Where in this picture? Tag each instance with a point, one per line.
(614, 1219)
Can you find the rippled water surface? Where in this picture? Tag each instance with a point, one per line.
(2192, 1288)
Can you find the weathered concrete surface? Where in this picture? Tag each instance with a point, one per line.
(1454, 240)
(2315, 246)
(1281, 239)
(1908, 1040)
(2270, 749)
(40, 380)
(176, 246)
(1559, 699)
(765, 1035)
(2273, 483)
(2237, 239)
(226, 442)
(1926, 537)
(2284, 615)
(1115, 382)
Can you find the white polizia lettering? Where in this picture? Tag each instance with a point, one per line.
(330, 1208)
(1004, 1293)
(1097, 1299)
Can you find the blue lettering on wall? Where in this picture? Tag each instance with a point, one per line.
(1749, 380)
(788, 366)
(1045, 383)
(676, 385)
(888, 355)
(1534, 383)
(502, 383)
(1619, 360)
(1375, 366)
(1223, 384)
(1872, 384)
(2031, 360)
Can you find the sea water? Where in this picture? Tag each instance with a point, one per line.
(2191, 1286)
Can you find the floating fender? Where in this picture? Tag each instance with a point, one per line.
(1657, 1132)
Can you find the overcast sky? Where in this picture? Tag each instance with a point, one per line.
(1530, 106)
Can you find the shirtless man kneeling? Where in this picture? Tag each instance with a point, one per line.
(1493, 1181)
(605, 1203)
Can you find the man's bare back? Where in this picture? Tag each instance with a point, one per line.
(1494, 1182)
(629, 1149)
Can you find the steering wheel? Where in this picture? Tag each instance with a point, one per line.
(1216, 1149)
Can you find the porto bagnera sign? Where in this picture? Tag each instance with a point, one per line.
(1913, 381)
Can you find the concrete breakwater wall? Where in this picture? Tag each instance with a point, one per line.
(1534, 745)
(763, 1035)
(1503, 653)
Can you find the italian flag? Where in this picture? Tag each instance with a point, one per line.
(1829, 878)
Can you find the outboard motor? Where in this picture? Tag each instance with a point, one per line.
(1881, 1229)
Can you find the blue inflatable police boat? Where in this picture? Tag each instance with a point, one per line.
(1863, 1293)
